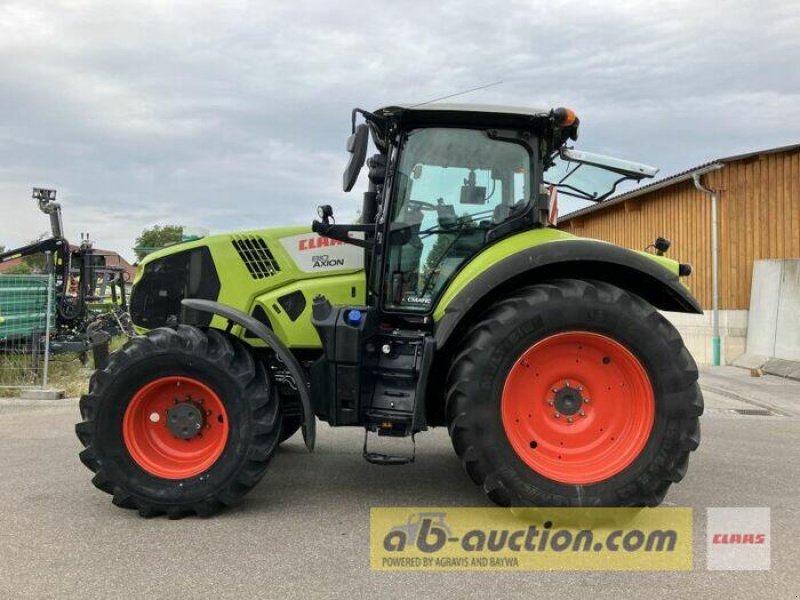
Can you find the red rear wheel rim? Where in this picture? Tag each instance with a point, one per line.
(153, 445)
(578, 407)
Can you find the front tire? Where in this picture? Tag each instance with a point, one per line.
(180, 422)
(574, 393)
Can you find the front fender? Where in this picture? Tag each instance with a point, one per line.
(642, 274)
(272, 341)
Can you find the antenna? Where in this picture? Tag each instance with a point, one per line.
(475, 89)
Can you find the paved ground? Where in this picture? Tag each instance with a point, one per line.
(304, 531)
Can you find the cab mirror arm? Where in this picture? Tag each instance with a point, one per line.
(342, 233)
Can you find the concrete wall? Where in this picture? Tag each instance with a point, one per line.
(769, 331)
(774, 323)
(696, 332)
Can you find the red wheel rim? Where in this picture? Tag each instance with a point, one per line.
(578, 407)
(152, 444)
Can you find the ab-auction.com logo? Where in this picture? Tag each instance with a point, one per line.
(481, 538)
(429, 533)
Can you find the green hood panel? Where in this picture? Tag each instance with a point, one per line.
(261, 266)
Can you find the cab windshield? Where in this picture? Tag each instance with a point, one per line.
(451, 187)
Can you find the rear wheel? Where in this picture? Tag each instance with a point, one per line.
(574, 393)
(180, 422)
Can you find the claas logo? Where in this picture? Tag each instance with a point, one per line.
(312, 243)
(739, 538)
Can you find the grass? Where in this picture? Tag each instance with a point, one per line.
(66, 372)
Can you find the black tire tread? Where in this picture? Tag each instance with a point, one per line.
(231, 356)
(684, 400)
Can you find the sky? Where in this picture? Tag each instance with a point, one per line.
(228, 115)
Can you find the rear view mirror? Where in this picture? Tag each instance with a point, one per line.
(475, 194)
(471, 193)
(357, 147)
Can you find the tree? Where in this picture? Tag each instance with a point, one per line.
(37, 262)
(20, 269)
(157, 237)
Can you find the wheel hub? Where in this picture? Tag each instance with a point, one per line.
(185, 420)
(577, 407)
(175, 427)
(568, 401)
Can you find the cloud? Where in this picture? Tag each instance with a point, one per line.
(233, 114)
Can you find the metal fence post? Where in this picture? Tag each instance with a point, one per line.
(46, 366)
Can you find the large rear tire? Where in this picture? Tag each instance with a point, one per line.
(574, 393)
(181, 421)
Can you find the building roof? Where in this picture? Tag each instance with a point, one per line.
(674, 179)
(113, 259)
(9, 264)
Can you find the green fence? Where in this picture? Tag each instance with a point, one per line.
(27, 316)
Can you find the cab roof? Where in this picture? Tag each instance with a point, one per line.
(466, 107)
(464, 114)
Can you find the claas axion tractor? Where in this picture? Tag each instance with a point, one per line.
(452, 302)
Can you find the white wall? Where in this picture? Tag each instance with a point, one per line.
(774, 322)
(696, 332)
(769, 330)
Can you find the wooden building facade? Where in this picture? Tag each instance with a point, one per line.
(759, 218)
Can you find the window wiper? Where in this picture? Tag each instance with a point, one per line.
(431, 276)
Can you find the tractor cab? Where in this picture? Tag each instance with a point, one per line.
(451, 179)
(448, 182)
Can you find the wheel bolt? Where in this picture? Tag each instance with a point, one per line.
(557, 415)
(581, 413)
(550, 403)
(579, 388)
(554, 390)
(569, 419)
(586, 401)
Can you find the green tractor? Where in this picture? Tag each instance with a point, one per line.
(452, 302)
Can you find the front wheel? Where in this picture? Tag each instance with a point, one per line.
(179, 422)
(574, 393)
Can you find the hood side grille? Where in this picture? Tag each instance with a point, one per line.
(256, 256)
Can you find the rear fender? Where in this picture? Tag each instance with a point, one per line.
(649, 277)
